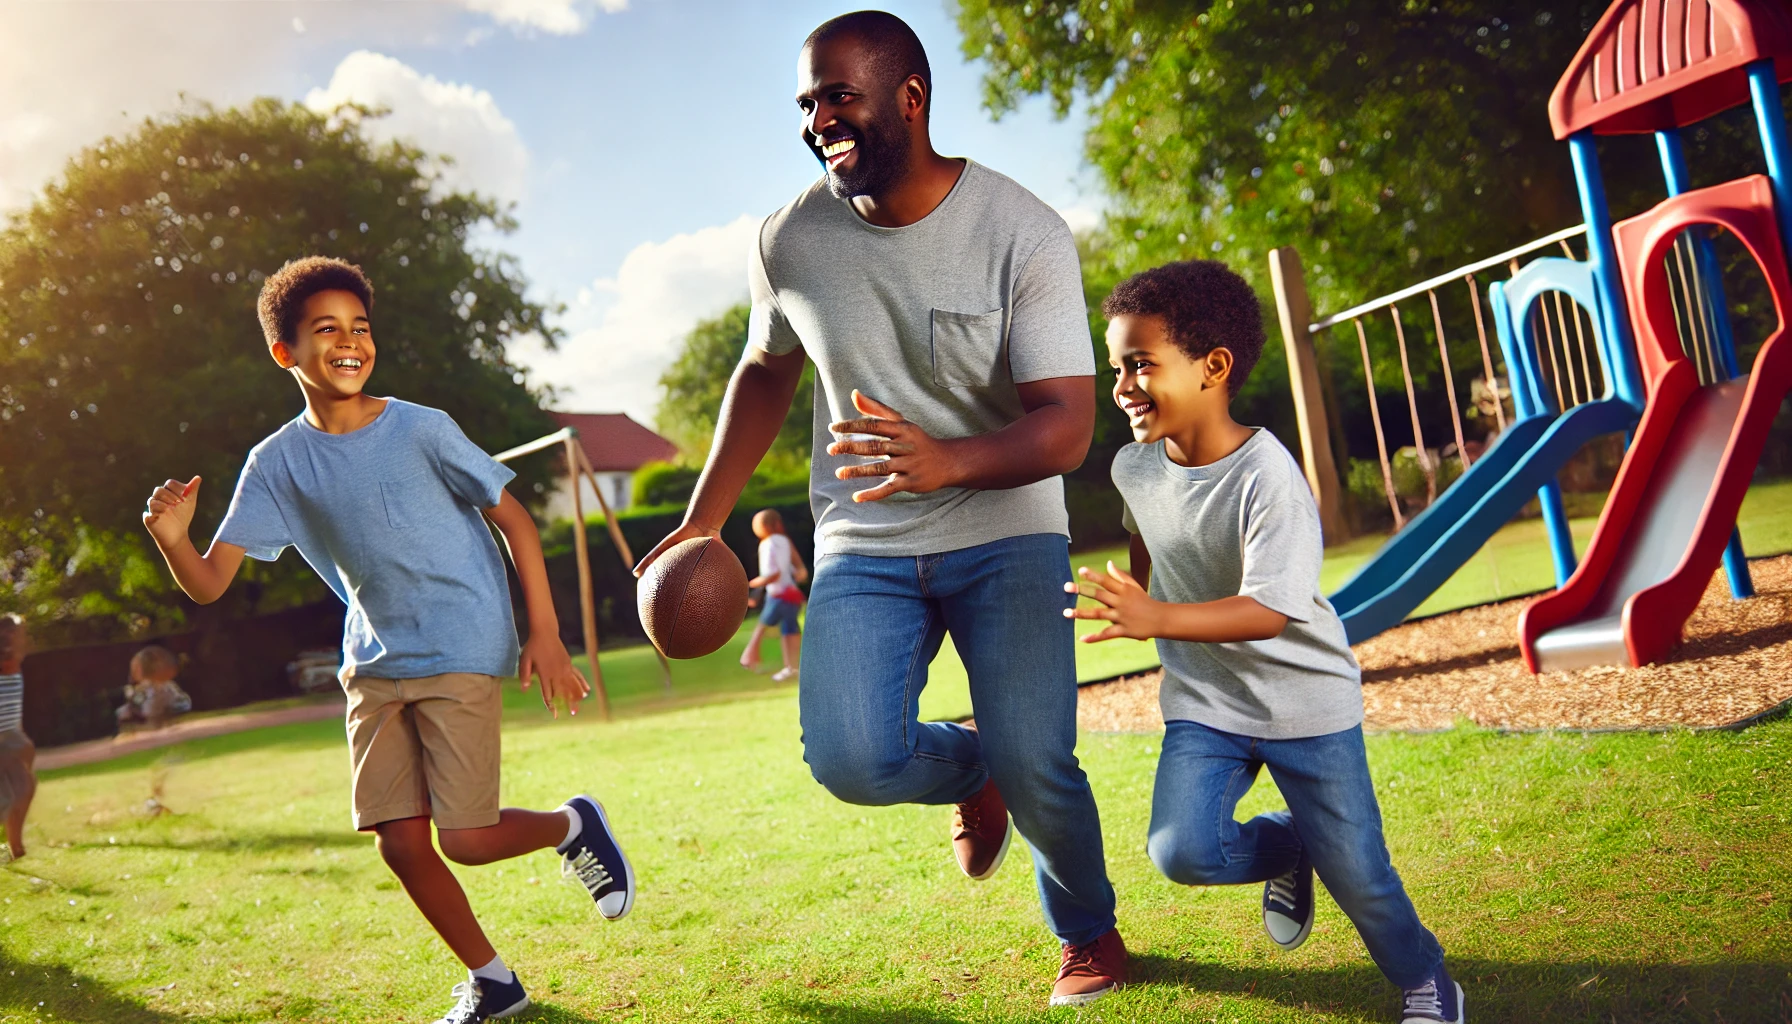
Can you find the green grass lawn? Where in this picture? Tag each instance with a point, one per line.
(1627, 877)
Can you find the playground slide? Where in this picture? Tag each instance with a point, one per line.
(1674, 505)
(1527, 456)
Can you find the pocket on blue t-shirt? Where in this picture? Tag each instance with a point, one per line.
(393, 493)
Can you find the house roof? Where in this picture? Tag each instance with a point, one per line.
(615, 443)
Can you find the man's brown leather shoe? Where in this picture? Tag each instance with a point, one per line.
(1091, 970)
(980, 833)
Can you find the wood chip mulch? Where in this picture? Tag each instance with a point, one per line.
(1734, 664)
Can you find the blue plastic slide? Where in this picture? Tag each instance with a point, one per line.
(1521, 464)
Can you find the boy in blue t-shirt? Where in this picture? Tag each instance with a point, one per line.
(388, 501)
(1257, 671)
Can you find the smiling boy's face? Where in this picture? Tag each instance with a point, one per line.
(332, 348)
(1157, 385)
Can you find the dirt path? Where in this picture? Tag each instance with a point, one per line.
(180, 732)
(1735, 664)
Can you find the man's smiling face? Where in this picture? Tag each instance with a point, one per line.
(851, 118)
(332, 348)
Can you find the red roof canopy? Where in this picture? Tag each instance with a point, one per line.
(1651, 65)
(614, 443)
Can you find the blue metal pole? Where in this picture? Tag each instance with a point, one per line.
(1764, 89)
(1602, 256)
(1673, 169)
(1561, 540)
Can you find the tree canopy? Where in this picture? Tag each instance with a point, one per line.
(130, 350)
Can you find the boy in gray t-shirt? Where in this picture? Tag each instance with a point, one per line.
(1256, 667)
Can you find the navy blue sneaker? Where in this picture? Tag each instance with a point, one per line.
(1288, 906)
(596, 860)
(1438, 1001)
(482, 999)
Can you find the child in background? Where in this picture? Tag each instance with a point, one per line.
(389, 502)
(18, 783)
(153, 697)
(780, 570)
(1257, 671)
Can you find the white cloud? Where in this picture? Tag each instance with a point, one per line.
(557, 17)
(446, 118)
(1081, 216)
(625, 330)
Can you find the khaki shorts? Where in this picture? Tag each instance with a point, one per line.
(424, 747)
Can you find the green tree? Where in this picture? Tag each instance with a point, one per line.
(130, 350)
(692, 389)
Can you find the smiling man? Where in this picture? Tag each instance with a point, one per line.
(942, 306)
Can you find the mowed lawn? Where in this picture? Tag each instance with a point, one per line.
(1609, 877)
(1627, 877)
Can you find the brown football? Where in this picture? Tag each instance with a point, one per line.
(693, 598)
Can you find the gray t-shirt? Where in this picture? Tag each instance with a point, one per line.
(938, 320)
(1248, 525)
(390, 517)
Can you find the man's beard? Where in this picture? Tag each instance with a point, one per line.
(882, 159)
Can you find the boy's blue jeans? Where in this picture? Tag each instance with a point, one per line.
(875, 623)
(1332, 815)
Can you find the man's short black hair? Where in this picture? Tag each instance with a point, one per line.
(284, 293)
(1204, 306)
(896, 51)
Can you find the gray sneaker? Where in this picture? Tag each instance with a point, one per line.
(1438, 1001)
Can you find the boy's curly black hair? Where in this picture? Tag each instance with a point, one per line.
(284, 293)
(1204, 305)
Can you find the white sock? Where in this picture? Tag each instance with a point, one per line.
(494, 971)
(575, 826)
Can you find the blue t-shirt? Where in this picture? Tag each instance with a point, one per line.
(390, 517)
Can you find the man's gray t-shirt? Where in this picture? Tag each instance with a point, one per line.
(1246, 524)
(939, 320)
(390, 516)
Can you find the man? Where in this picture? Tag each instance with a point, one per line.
(942, 304)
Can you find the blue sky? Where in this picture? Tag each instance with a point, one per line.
(640, 139)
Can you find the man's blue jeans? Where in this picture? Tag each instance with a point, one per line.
(1332, 816)
(876, 623)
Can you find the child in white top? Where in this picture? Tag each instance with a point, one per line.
(780, 570)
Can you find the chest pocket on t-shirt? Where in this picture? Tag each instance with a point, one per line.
(394, 493)
(967, 349)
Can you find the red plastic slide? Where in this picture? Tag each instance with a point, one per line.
(1675, 501)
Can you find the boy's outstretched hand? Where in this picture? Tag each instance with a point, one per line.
(1126, 607)
(169, 514)
(546, 656)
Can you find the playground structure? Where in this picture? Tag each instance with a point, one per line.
(1647, 66)
(578, 468)
(1672, 512)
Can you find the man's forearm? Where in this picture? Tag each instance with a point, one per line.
(753, 412)
(1049, 441)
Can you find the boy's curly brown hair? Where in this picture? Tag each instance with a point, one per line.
(1204, 305)
(284, 293)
